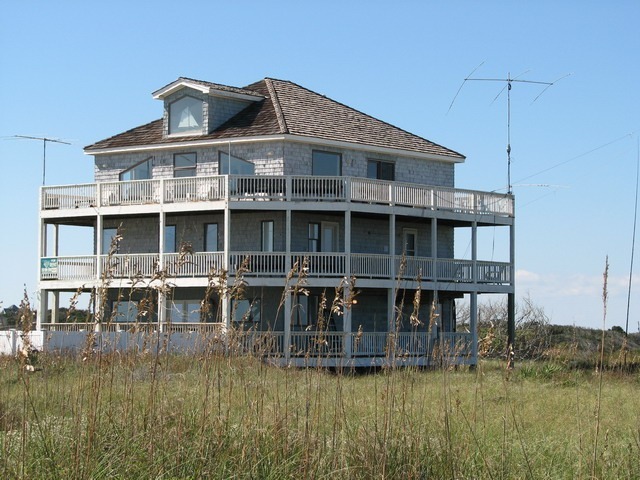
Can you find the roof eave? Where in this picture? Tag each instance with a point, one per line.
(271, 138)
(179, 84)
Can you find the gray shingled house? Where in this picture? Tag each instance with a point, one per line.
(280, 187)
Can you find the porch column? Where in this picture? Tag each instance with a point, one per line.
(99, 246)
(226, 242)
(474, 250)
(43, 306)
(287, 241)
(473, 325)
(346, 319)
(347, 242)
(391, 292)
(55, 307)
(511, 297)
(434, 256)
(162, 219)
(42, 251)
(56, 228)
(286, 341)
(391, 324)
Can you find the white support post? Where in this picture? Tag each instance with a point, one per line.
(286, 341)
(162, 220)
(434, 256)
(55, 307)
(474, 250)
(99, 247)
(43, 306)
(473, 325)
(391, 292)
(346, 319)
(226, 245)
(287, 241)
(42, 251)
(347, 242)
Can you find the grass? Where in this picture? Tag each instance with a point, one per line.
(148, 416)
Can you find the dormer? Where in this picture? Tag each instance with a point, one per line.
(193, 107)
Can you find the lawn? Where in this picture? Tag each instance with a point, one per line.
(210, 416)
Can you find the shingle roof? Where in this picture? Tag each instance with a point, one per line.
(288, 108)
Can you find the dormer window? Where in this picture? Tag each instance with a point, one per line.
(185, 116)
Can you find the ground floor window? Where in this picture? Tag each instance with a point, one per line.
(184, 311)
(132, 311)
(244, 311)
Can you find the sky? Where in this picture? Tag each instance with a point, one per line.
(83, 71)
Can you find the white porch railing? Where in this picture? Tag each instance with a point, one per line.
(327, 265)
(258, 263)
(445, 346)
(138, 265)
(68, 268)
(69, 197)
(322, 264)
(317, 344)
(134, 192)
(370, 265)
(272, 188)
(197, 264)
(194, 189)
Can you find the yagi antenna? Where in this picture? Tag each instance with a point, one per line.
(44, 150)
(508, 84)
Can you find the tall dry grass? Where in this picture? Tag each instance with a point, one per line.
(221, 413)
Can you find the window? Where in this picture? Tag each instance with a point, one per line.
(183, 311)
(326, 163)
(184, 165)
(381, 170)
(410, 242)
(128, 311)
(169, 239)
(210, 237)
(234, 165)
(267, 236)
(107, 236)
(245, 311)
(140, 171)
(185, 116)
(314, 237)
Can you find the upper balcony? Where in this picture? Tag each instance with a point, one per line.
(274, 188)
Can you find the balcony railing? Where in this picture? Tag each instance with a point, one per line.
(275, 188)
(307, 344)
(273, 264)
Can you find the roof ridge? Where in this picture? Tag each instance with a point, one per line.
(371, 117)
(282, 122)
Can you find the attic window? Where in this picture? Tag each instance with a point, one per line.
(185, 116)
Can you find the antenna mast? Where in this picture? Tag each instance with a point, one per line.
(44, 150)
(509, 81)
